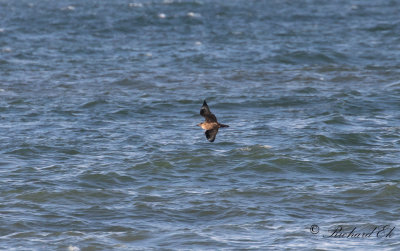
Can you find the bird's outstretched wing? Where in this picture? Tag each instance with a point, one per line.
(211, 134)
(207, 114)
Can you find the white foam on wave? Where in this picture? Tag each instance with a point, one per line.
(73, 248)
(136, 5)
(246, 149)
(6, 49)
(199, 191)
(2, 30)
(249, 148)
(394, 84)
(69, 8)
(162, 15)
(194, 15)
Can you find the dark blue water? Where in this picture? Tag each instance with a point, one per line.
(99, 148)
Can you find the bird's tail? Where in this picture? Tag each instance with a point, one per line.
(222, 125)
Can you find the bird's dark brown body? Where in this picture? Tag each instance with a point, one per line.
(210, 124)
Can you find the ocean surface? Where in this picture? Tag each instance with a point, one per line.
(99, 102)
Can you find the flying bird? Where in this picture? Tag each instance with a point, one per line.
(210, 124)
